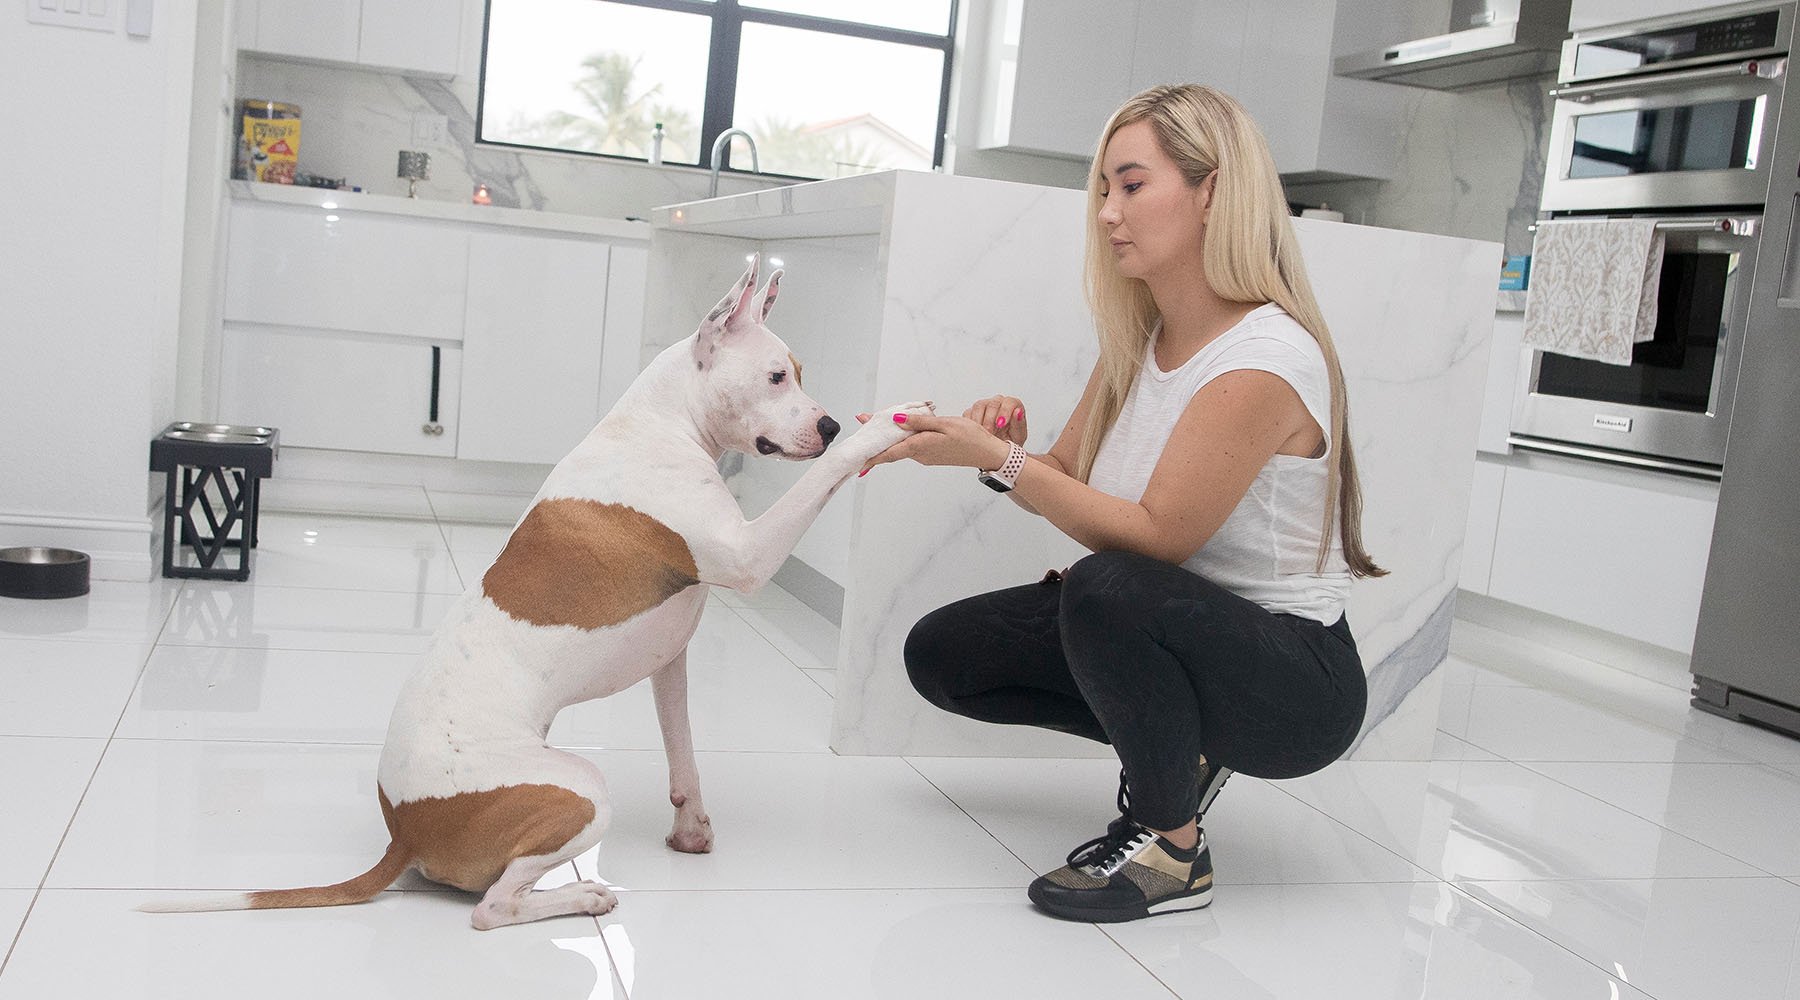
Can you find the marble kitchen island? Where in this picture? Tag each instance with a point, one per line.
(904, 285)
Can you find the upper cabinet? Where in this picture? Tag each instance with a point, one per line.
(1058, 68)
(413, 37)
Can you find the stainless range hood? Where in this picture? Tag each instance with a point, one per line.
(1489, 41)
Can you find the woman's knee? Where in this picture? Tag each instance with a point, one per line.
(1103, 586)
(931, 653)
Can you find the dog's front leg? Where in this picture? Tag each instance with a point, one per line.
(692, 833)
(756, 549)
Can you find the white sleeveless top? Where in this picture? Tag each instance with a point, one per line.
(1267, 549)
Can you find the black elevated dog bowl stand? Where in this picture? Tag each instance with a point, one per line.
(214, 473)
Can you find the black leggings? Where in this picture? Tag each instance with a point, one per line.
(1159, 662)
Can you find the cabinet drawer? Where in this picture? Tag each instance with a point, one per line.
(330, 390)
(532, 339)
(357, 272)
(1625, 559)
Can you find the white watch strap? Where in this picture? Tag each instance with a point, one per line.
(1009, 470)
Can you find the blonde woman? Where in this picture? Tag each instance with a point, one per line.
(1208, 467)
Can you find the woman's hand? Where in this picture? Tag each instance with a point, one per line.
(1001, 416)
(945, 441)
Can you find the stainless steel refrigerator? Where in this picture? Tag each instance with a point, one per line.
(1746, 660)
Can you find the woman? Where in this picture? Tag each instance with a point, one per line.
(1207, 466)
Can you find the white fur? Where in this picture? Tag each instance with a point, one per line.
(475, 714)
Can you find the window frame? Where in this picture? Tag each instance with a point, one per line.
(728, 20)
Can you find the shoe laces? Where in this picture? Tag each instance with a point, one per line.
(1123, 839)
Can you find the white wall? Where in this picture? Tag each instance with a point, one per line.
(96, 131)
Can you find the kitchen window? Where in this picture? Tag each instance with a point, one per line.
(826, 88)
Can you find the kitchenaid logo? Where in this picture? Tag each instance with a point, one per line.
(1607, 422)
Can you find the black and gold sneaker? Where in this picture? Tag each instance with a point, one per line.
(1126, 874)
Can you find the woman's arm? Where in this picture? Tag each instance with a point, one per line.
(1229, 431)
(1065, 454)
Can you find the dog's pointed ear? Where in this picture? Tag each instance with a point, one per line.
(770, 290)
(724, 316)
(737, 301)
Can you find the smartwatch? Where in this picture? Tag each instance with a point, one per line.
(1003, 479)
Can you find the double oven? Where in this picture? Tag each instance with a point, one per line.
(1671, 120)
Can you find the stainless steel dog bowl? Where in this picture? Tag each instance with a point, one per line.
(246, 429)
(37, 572)
(216, 437)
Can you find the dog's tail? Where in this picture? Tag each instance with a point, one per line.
(360, 889)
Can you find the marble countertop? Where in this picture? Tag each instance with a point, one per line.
(1510, 302)
(446, 211)
(844, 206)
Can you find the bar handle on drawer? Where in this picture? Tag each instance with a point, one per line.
(437, 368)
(1674, 465)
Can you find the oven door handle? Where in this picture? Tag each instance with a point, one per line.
(1674, 465)
(1767, 69)
(1735, 225)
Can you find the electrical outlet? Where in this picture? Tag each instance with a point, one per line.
(430, 130)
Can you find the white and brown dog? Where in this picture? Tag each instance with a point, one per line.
(596, 589)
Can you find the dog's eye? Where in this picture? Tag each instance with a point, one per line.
(775, 378)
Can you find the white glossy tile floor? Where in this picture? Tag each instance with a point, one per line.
(1529, 824)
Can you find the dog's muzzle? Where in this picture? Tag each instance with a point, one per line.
(764, 446)
(828, 429)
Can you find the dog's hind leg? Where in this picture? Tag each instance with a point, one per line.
(512, 900)
(501, 840)
(692, 833)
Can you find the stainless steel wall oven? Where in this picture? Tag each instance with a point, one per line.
(1671, 119)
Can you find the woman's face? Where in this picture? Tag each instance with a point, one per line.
(1155, 220)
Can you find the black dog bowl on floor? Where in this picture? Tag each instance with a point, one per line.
(35, 571)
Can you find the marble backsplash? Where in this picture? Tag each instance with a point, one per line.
(1471, 165)
(355, 122)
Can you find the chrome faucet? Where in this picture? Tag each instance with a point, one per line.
(718, 156)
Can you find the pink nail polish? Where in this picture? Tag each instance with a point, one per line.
(899, 418)
(1019, 414)
(862, 473)
(1000, 422)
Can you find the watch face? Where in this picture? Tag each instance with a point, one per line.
(987, 478)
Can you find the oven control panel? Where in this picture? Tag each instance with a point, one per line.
(1659, 45)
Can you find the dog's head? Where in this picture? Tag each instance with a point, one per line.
(750, 382)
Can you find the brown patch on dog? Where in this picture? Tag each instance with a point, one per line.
(588, 564)
(467, 840)
(799, 378)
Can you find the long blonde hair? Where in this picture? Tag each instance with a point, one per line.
(1250, 255)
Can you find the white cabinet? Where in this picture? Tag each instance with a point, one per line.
(353, 271)
(1603, 547)
(1060, 67)
(308, 29)
(1485, 494)
(532, 343)
(628, 271)
(325, 389)
(415, 37)
(331, 317)
(1063, 66)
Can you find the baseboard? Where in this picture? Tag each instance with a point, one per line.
(813, 589)
(321, 481)
(117, 548)
(1653, 662)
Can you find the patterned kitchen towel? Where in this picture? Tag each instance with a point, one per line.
(1594, 287)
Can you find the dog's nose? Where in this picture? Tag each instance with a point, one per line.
(828, 429)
